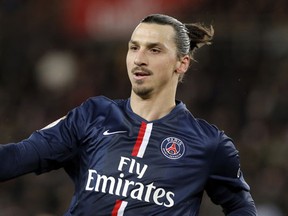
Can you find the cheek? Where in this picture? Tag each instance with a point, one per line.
(167, 67)
(127, 58)
(128, 62)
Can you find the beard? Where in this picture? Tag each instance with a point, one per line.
(141, 91)
(139, 87)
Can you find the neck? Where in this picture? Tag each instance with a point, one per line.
(152, 108)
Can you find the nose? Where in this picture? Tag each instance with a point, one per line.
(140, 58)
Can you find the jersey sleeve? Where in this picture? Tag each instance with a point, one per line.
(226, 185)
(46, 149)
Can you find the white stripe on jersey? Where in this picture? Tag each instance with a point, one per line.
(145, 140)
(122, 208)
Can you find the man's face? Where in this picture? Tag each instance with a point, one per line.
(152, 59)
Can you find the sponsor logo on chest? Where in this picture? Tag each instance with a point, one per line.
(133, 186)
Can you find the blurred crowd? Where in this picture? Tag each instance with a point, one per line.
(239, 83)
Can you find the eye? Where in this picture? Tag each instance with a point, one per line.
(133, 47)
(155, 50)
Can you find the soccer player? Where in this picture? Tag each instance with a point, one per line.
(145, 155)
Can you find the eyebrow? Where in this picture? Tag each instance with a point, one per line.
(148, 44)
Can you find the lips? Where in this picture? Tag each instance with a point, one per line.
(140, 73)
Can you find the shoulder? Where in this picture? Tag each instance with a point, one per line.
(201, 127)
(220, 143)
(219, 147)
(101, 104)
(207, 128)
(102, 101)
(219, 137)
(97, 107)
(210, 135)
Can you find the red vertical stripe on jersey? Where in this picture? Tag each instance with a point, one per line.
(116, 208)
(139, 139)
(119, 208)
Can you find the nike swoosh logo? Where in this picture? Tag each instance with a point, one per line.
(107, 133)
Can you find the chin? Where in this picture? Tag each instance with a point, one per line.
(142, 91)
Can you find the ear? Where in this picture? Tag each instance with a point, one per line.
(183, 64)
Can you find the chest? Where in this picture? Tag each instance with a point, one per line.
(148, 152)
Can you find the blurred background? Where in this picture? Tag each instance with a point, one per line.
(54, 54)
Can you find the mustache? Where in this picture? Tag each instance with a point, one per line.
(141, 69)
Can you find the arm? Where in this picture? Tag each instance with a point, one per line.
(17, 159)
(226, 185)
(44, 150)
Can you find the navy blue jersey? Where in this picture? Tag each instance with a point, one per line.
(122, 164)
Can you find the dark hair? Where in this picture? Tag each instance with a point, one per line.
(188, 37)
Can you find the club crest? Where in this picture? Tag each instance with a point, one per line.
(172, 148)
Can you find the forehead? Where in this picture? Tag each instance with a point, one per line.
(153, 33)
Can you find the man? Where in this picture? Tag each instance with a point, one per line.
(146, 155)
